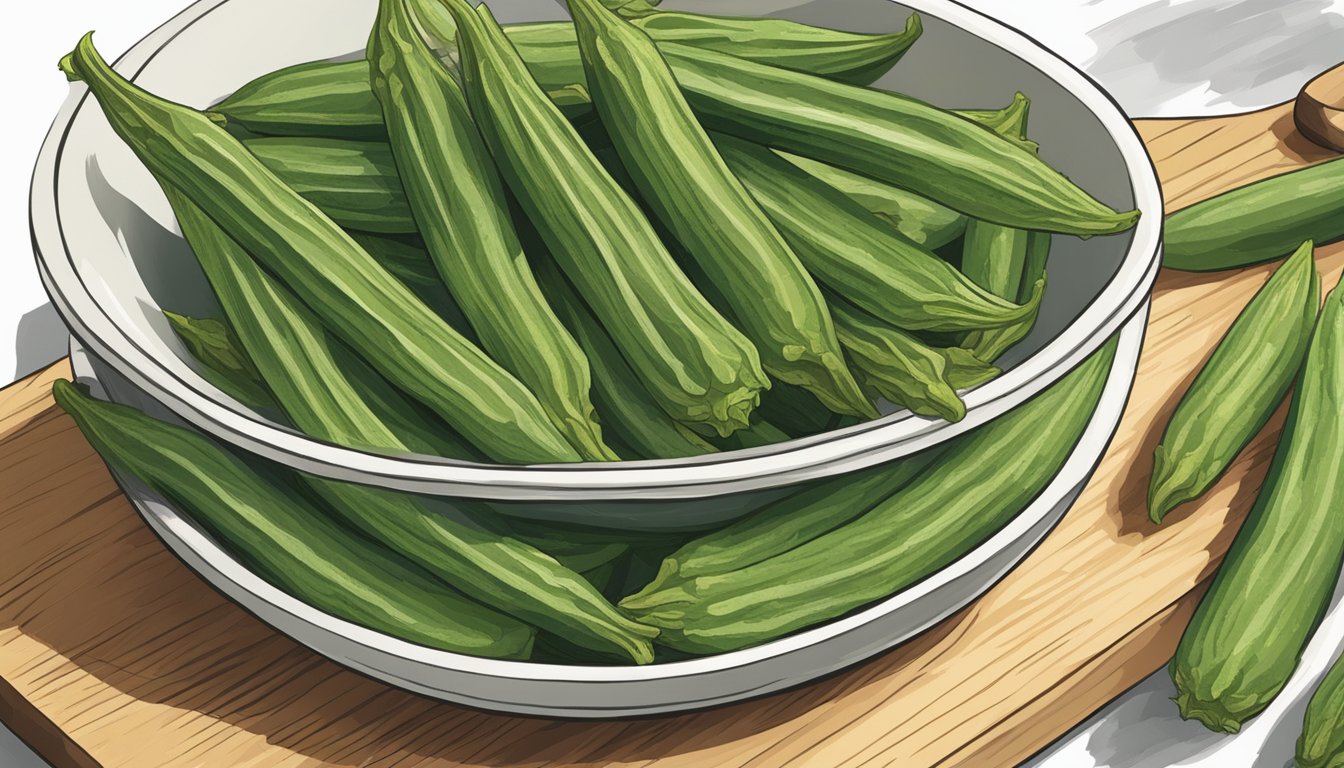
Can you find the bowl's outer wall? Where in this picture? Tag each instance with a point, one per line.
(126, 253)
(601, 692)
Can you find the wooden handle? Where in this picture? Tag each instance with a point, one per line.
(1319, 109)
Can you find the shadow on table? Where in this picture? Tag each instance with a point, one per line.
(40, 339)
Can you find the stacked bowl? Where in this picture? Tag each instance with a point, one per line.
(111, 259)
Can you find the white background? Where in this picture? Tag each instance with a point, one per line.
(1158, 57)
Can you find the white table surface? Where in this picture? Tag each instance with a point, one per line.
(1157, 57)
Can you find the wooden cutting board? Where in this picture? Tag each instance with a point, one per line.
(113, 653)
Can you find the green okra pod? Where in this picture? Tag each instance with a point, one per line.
(1239, 387)
(319, 383)
(214, 345)
(698, 367)
(995, 257)
(712, 217)
(314, 386)
(370, 309)
(1258, 222)
(334, 98)
(459, 203)
(813, 511)
(353, 197)
(859, 257)
(1276, 582)
(276, 530)
(990, 343)
(890, 137)
(408, 260)
(922, 221)
(627, 409)
(947, 510)
(902, 369)
(1321, 744)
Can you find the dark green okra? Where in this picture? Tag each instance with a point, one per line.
(265, 522)
(459, 203)
(627, 409)
(712, 217)
(813, 511)
(922, 221)
(408, 260)
(1240, 386)
(1321, 744)
(854, 254)
(342, 178)
(333, 368)
(996, 257)
(347, 175)
(902, 369)
(700, 369)
(1257, 222)
(323, 387)
(370, 309)
(214, 344)
(334, 99)
(990, 343)
(946, 511)
(890, 137)
(1276, 582)
(465, 546)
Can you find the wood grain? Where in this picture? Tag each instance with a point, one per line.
(113, 653)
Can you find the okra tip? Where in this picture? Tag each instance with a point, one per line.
(1173, 483)
(1212, 714)
(68, 395)
(645, 597)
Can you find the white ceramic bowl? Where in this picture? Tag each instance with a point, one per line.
(111, 258)
(596, 692)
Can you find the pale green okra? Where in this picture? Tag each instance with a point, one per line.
(1239, 387)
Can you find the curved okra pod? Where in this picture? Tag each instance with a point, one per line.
(314, 384)
(707, 210)
(957, 503)
(370, 309)
(1239, 387)
(334, 99)
(277, 531)
(700, 369)
(813, 511)
(890, 137)
(997, 258)
(899, 367)
(459, 203)
(854, 254)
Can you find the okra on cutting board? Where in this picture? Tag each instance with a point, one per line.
(639, 235)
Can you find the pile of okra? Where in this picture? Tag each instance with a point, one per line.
(642, 234)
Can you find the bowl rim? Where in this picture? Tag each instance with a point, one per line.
(238, 583)
(793, 461)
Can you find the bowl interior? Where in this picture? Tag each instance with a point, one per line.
(124, 247)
